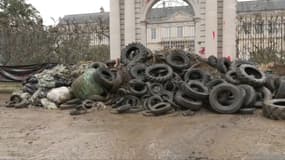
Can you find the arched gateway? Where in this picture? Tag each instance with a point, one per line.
(206, 27)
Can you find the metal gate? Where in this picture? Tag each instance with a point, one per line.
(261, 38)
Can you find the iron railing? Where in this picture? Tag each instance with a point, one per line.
(261, 38)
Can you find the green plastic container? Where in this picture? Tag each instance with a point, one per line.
(86, 86)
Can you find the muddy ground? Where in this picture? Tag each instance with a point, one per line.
(39, 134)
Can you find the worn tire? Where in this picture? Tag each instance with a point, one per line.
(223, 65)
(195, 89)
(153, 100)
(155, 88)
(170, 86)
(239, 62)
(274, 109)
(104, 77)
(117, 82)
(187, 102)
(160, 108)
(137, 87)
(280, 92)
(226, 109)
(231, 77)
(215, 82)
(250, 97)
(134, 52)
(263, 95)
(178, 60)
(196, 74)
(249, 74)
(212, 61)
(151, 74)
(138, 71)
(270, 83)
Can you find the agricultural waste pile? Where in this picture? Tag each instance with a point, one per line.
(157, 84)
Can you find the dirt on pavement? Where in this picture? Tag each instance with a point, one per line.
(38, 134)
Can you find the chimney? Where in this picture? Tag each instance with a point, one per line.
(102, 10)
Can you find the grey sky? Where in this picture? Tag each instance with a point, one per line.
(59, 8)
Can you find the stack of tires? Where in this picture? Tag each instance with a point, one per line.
(158, 84)
(246, 89)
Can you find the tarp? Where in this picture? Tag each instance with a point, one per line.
(21, 73)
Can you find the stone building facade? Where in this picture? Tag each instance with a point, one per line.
(92, 25)
(210, 28)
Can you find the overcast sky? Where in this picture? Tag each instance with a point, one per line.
(59, 8)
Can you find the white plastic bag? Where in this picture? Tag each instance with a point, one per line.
(59, 95)
(48, 104)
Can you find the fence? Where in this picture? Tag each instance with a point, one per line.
(50, 46)
(261, 38)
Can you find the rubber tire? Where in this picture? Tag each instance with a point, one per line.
(186, 102)
(231, 77)
(138, 71)
(223, 65)
(117, 82)
(212, 61)
(137, 87)
(131, 100)
(155, 88)
(270, 83)
(188, 89)
(178, 54)
(263, 95)
(244, 77)
(229, 109)
(280, 92)
(239, 62)
(100, 77)
(170, 86)
(160, 108)
(215, 82)
(196, 74)
(266, 93)
(140, 57)
(153, 100)
(167, 96)
(273, 111)
(154, 67)
(250, 97)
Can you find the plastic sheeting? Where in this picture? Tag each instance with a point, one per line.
(21, 73)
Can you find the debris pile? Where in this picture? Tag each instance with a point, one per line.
(157, 84)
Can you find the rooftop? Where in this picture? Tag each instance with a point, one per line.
(85, 18)
(157, 14)
(260, 5)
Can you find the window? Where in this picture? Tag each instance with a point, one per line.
(259, 27)
(272, 27)
(246, 27)
(180, 31)
(153, 33)
(168, 29)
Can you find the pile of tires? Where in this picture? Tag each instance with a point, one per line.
(158, 84)
(246, 89)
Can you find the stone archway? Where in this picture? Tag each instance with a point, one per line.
(147, 8)
(152, 2)
(214, 25)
